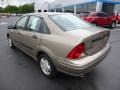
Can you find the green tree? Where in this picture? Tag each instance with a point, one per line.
(26, 8)
(1, 9)
(11, 9)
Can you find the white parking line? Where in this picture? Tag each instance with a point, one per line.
(3, 23)
(115, 30)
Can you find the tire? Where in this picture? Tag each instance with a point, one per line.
(46, 66)
(118, 22)
(113, 25)
(10, 43)
(94, 23)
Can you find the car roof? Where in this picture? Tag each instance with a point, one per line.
(47, 13)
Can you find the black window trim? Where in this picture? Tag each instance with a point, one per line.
(44, 27)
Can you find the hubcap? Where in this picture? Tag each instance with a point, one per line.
(45, 66)
(117, 21)
(10, 42)
(113, 25)
(94, 24)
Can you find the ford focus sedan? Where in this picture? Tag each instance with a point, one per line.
(60, 42)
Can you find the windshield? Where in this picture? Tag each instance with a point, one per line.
(102, 15)
(69, 22)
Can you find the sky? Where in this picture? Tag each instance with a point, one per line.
(20, 2)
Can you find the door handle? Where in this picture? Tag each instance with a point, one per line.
(34, 36)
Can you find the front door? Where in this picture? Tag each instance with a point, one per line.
(103, 19)
(17, 35)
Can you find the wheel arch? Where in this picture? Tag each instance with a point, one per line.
(7, 35)
(48, 52)
(114, 22)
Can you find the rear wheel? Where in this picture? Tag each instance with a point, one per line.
(117, 22)
(46, 66)
(113, 25)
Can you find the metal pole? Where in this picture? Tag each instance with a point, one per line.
(2, 6)
(8, 5)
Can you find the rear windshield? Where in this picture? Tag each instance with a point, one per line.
(84, 14)
(69, 22)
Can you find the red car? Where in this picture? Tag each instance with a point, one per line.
(101, 19)
(117, 17)
(83, 15)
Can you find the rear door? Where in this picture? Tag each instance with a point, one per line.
(32, 36)
(35, 29)
(103, 19)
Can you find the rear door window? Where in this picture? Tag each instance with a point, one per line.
(34, 23)
(37, 24)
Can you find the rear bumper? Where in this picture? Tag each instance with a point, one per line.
(84, 65)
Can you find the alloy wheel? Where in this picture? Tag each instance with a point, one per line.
(45, 66)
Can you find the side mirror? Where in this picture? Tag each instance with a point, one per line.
(11, 27)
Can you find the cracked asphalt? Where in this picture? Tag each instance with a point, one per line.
(18, 71)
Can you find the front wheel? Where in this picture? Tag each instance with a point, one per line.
(10, 42)
(46, 66)
(94, 24)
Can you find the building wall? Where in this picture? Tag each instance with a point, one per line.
(117, 8)
(41, 6)
(75, 6)
(64, 3)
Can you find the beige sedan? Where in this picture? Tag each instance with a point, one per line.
(60, 42)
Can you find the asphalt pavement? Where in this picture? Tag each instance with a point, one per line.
(18, 71)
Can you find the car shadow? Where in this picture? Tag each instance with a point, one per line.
(118, 26)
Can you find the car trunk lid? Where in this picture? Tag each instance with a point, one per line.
(96, 42)
(94, 38)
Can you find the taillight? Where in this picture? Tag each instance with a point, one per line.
(77, 52)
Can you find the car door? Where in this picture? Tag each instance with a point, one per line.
(32, 35)
(19, 28)
(107, 19)
(103, 18)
